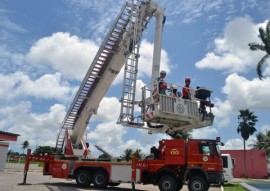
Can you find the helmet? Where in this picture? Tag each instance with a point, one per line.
(187, 79)
(174, 86)
(163, 72)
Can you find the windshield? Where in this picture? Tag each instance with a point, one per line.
(218, 150)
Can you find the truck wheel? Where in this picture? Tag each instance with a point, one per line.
(197, 183)
(180, 185)
(100, 179)
(167, 183)
(83, 178)
(114, 184)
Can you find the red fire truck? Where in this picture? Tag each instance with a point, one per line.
(174, 162)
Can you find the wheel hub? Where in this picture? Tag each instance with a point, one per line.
(197, 186)
(166, 184)
(99, 179)
(82, 178)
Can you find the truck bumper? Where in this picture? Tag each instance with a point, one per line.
(215, 178)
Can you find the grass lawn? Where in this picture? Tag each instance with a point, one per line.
(21, 162)
(40, 164)
(233, 187)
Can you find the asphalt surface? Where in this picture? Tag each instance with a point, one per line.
(11, 178)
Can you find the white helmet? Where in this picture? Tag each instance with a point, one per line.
(163, 72)
(174, 86)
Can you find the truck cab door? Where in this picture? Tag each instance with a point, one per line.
(208, 157)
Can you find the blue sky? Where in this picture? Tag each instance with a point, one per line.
(47, 47)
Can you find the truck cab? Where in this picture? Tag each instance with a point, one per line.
(204, 156)
(227, 162)
(175, 162)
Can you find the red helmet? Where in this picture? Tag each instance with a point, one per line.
(187, 79)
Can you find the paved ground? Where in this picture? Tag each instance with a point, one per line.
(10, 179)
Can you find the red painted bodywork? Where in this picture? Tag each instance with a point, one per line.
(205, 161)
(256, 163)
(182, 154)
(177, 155)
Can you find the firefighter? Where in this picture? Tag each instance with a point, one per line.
(87, 151)
(162, 85)
(186, 90)
(174, 92)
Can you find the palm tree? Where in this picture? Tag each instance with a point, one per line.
(128, 154)
(265, 46)
(263, 142)
(246, 123)
(25, 145)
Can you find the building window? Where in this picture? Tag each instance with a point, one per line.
(233, 161)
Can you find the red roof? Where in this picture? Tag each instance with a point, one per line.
(6, 136)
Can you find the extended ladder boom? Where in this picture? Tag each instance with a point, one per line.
(107, 63)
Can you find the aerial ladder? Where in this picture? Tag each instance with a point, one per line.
(121, 48)
(113, 53)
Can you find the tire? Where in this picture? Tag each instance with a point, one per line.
(168, 183)
(180, 185)
(114, 184)
(208, 186)
(198, 183)
(100, 179)
(83, 178)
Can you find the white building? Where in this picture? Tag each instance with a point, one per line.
(4, 138)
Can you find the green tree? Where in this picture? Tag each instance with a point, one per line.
(139, 154)
(264, 35)
(181, 134)
(103, 156)
(263, 142)
(128, 154)
(11, 154)
(25, 145)
(246, 127)
(42, 150)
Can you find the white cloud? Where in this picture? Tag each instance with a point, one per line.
(233, 144)
(232, 52)
(146, 59)
(72, 56)
(139, 85)
(109, 136)
(109, 110)
(10, 61)
(116, 138)
(67, 54)
(38, 129)
(204, 133)
(241, 93)
(48, 86)
(264, 128)
(232, 55)
(237, 144)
